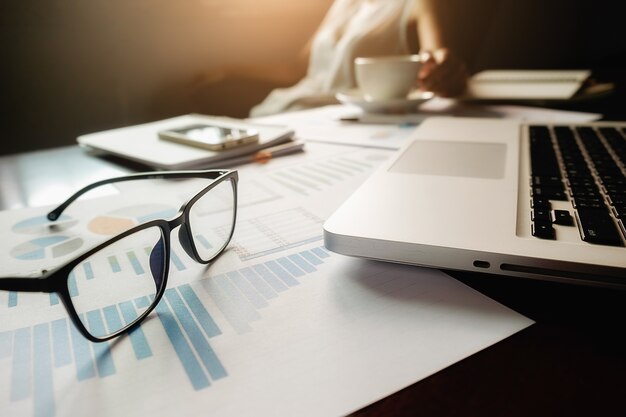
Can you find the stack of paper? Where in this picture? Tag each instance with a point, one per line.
(141, 143)
(526, 84)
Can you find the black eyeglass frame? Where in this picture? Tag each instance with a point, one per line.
(56, 280)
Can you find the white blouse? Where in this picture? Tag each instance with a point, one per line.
(351, 28)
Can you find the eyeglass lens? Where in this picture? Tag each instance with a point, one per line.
(109, 301)
(211, 219)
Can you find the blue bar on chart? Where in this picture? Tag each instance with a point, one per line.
(61, 343)
(132, 257)
(200, 343)
(71, 284)
(137, 338)
(128, 312)
(21, 378)
(176, 260)
(270, 278)
(247, 290)
(189, 326)
(281, 273)
(54, 299)
(142, 302)
(289, 185)
(311, 174)
(204, 318)
(12, 299)
(88, 270)
(226, 306)
(259, 284)
(309, 256)
(203, 240)
(236, 299)
(300, 180)
(348, 165)
(184, 352)
(320, 252)
(43, 391)
(320, 169)
(102, 352)
(356, 162)
(290, 267)
(333, 167)
(82, 355)
(303, 264)
(114, 263)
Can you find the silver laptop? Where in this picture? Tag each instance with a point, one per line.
(496, 196)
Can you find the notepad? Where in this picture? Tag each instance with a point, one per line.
(526, 84)
(141, 143)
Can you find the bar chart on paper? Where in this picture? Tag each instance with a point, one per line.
(236, 297)
(321, 175)
(278, 251)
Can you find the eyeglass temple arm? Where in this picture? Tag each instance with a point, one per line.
(24, 284)
(210, 174)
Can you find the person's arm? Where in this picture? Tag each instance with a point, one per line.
(444, 72)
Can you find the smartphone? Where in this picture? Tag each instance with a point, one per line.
(213, 138)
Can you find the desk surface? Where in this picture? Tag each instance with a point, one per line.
(571, 362)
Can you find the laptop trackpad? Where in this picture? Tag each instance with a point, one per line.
(456, 159)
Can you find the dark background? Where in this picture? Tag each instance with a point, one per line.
(71, 67)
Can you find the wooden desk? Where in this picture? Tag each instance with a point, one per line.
(571, 362)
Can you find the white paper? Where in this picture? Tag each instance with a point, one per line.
(323, 124)
(526, 84)
(392, 131)
(297, 330)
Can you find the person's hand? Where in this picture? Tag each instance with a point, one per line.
(443, 73)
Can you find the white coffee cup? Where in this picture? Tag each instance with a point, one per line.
(387, 77)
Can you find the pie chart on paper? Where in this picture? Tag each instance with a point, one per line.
(123, 219)
(40, 225)
(46, 248)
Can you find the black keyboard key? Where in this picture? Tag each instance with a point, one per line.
(579, 173)
(539, 214)
(554, 181)
(612, 189)
(543, 230)
(586, 192)
(597, 226)
(562, 217)
(582, 202)
(581, 182)
(542, 156)
(551, 193)
(612, 179)
(620, 211)
(618, 200)
(540, 202)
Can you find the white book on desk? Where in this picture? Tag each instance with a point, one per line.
(140, 143)
(526, 84)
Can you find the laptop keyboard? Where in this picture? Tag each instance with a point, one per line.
(586, 166)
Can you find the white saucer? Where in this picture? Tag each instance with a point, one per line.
(356, 98)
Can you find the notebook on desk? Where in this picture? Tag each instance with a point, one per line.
(141, 143)
(496, 196)
(515, 85)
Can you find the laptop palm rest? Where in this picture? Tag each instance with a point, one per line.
(456, 159)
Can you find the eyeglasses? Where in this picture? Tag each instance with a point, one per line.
(207, 223)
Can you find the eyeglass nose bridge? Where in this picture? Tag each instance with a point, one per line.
(186, 242)
(184, 235)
